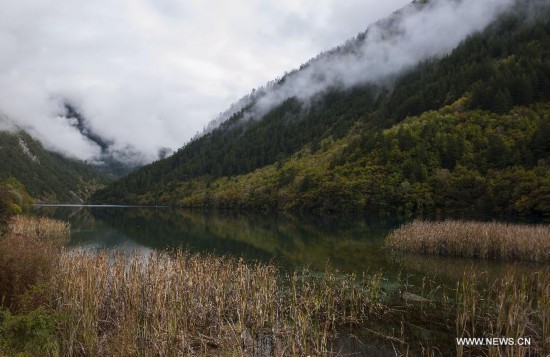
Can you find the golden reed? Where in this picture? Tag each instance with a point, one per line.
(487, 240)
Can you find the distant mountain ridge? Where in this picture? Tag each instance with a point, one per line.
(492, 75)
(51, 177)
(48, 177)
(106, 163)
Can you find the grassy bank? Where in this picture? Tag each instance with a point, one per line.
(58, 302)
(29, 258)
(61, 303)
(173, 304)
(29, 254)
(501, 241)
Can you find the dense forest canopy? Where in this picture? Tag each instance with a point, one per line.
(477, 117)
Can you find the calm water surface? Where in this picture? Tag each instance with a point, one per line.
(348, 244)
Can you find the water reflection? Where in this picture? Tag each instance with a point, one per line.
(348, 244)
(453, 269)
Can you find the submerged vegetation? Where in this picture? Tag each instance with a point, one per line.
(487, 240)
(57, 302)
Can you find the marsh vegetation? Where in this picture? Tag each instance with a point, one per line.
(487, 240)
(61, 302)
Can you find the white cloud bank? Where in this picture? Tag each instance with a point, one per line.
(419, 32)
(148, 74)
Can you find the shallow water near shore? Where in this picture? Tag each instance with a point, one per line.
(348, 244)
(419, 292)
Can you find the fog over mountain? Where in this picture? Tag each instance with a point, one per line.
(147, 75)
(422, 30)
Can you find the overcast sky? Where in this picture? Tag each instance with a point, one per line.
(148, 74)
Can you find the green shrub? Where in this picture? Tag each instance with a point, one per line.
(32, 334)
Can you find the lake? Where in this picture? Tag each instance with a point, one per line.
(345, 243)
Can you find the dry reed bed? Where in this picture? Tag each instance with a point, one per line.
(28, 257)
(40, 229)
(172, 304)
(182, 304)
(515, 306)
(473, 240)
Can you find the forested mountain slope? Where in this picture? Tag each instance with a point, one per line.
(450, 161)
(46, 176)
(477, 114)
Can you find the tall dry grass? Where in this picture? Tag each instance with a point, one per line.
(515, 306)
(492, 240)
(177, 303)
(40, 229)
(182, 304)
(29, 255)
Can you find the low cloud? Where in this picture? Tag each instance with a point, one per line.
(149, 74)
(418, 32)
